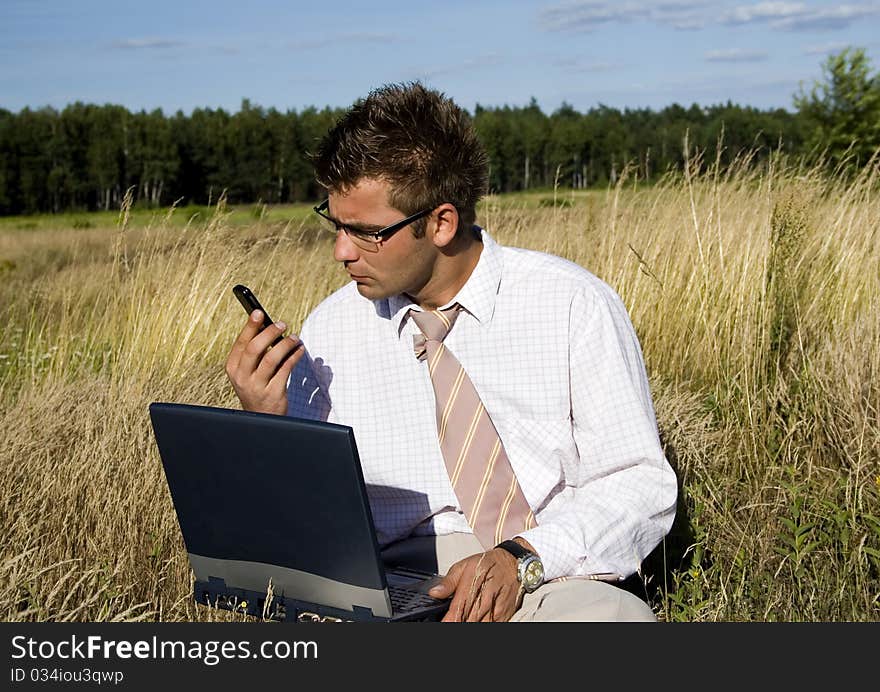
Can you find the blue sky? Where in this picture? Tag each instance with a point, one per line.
(630, 53)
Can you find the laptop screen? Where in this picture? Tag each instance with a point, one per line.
(276, 490)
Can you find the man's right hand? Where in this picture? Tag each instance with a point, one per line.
(258, 373)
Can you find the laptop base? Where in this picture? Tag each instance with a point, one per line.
(216, 594)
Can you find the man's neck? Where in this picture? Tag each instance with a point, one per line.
(451, 273)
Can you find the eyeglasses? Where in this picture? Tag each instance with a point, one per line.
(366, 240)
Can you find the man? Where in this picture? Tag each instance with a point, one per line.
(459, 362)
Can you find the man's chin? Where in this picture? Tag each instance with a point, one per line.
(371, 291)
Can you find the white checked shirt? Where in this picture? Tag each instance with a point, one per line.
(554, 357)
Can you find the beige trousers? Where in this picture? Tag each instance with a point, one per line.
(577, 600)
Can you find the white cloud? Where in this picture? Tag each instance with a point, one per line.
(828, 19)
(579, 66)
(797, 16)
(825, 48)
(735, 55)
(139, 43)
(475, 63)
(586, 15)
(589, 15)
(342, 41)
(745, 14)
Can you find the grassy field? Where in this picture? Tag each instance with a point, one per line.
(756, 296)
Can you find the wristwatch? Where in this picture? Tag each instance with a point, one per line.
(529, 568)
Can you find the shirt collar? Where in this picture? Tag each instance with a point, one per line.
(478, 294)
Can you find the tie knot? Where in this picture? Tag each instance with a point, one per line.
(434, 325)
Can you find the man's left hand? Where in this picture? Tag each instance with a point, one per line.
(484, 588)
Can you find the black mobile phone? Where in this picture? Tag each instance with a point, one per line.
(250, 303)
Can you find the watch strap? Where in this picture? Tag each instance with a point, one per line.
(514, 549)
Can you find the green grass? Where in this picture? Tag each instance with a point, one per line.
(174, 217)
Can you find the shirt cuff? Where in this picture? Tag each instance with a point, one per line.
(546, 541)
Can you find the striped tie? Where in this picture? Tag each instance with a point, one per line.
(481, 475)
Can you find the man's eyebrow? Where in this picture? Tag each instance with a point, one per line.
(364, 226)
(356, 225)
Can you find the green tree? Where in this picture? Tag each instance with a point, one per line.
(10, 201)
(152, 159)
(106, 154)
(532, 125)
(567, 137)
(313, 123)
(841, 113)
(493, 129)
(72, 179)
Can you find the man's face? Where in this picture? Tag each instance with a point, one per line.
(400, 264)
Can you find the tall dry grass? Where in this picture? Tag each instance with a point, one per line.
(754, 292)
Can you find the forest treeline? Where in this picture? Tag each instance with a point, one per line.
(86, 156)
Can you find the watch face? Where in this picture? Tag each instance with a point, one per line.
(533, 574)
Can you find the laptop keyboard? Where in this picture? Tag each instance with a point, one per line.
(404, 600)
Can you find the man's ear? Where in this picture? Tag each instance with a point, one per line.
(446, 219)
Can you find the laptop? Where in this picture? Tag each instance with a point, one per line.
(276, 521)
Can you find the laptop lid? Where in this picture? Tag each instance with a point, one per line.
(262, 497)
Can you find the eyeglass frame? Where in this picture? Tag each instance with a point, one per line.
(374, 236)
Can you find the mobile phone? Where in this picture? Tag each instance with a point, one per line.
(250, 303)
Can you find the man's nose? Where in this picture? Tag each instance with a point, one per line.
(344, 250)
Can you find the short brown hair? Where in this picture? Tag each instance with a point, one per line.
(416, 139)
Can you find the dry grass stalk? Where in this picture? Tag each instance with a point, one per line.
(754, 293)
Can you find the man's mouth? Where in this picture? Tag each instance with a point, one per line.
(352, 275)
